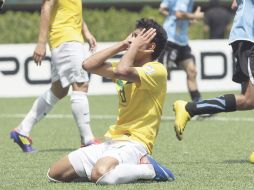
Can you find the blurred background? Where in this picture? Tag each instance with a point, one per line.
(110, 21)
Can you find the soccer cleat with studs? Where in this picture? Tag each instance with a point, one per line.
(24, 142)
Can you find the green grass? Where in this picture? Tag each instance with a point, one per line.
(212, 155)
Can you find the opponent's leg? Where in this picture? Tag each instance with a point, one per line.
(190, 68)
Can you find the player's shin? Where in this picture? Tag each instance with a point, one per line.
(127, 173)
(81, 114)
(226, 103)
(41, 107)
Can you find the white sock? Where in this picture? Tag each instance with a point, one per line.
(126, 173)
(41, 106)
(81, 114)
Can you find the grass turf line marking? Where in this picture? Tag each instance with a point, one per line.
(67, 116)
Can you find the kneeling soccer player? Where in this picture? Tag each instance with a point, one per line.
(141, 85)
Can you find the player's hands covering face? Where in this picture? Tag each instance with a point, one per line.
(142, 40)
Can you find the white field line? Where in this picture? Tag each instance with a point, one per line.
(99, 117)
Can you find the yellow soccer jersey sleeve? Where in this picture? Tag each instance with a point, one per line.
(66, 22)
(140, 106)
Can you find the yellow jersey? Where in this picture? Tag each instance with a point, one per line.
(140, 106)
(66, 22)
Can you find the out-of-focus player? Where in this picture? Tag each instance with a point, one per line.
(62, 26)
(177, 53)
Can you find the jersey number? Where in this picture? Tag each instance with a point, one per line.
(122, 94)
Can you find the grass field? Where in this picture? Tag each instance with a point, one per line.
(212, 155)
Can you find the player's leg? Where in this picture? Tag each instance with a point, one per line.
(108, 171)
(121, 164)
(189, 67)
(81, 112)
(44, 103)
(40, 108)
(77, 164)
(245, 101)
(62, 171)
(244, 73)
(127, 173)
(225, 103)
(79, 101)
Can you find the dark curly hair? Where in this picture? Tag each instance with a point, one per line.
(160, 39)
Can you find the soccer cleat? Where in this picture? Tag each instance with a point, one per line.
(181, 118)
(91, 142)
(24, 142)
(161, 172)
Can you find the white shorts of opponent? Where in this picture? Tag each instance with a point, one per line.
(66, 64)
(126, 152)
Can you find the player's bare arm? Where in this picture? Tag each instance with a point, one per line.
(198, 14)
(97, 64)
(40, 50)
(89, 37)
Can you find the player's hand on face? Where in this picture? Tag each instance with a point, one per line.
(143, 38)
(91, 41)
(198, 13)
(39, 53)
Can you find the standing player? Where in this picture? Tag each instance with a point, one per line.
(242, 41)
(177, 52)
(217, 20)
(141, 85)
(63, 26)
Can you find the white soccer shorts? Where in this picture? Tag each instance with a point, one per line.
(66, 64)
(84, 159)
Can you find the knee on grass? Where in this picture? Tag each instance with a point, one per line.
(58, 177)
(52, 177)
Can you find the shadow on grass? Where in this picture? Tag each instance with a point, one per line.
(58, 150)
(213, 162)
(86, 180)
(140, 181)
(235, 161)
